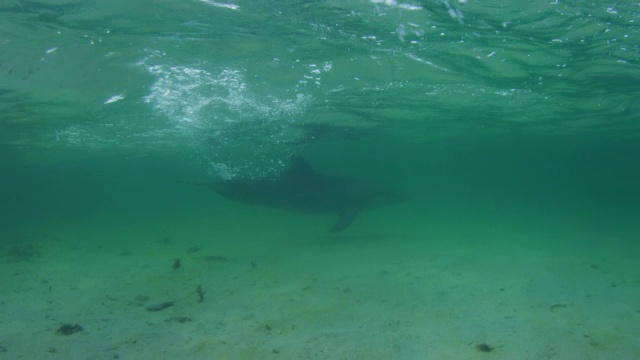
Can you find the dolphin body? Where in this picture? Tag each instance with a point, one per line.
(299, 188)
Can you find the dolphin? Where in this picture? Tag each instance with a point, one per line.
(300, 189)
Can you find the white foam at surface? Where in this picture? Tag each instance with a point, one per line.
(221, 5)
(394, 3)
(426, 62)
(114, 98)
(199, 98)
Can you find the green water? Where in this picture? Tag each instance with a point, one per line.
(511, 127)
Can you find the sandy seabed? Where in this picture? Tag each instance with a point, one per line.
(269, 285)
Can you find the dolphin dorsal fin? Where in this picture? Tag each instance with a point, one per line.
(300, 169)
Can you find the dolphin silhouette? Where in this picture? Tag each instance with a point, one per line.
(300, 189)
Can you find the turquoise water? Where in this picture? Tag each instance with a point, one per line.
(510, 129)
